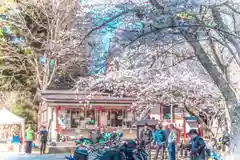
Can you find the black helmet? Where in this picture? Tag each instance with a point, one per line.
(193, 131)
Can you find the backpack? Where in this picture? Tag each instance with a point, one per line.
(197, 143)
(44, 135)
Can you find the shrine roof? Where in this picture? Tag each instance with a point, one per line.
(76, 97)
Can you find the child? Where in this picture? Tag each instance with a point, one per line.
(9, 142)
(16, 142)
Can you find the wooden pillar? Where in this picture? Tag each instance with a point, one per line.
(99, 110)
(96, 116)
(134, 116)
(122, 116)
(84, 113)
(173, 112)
(161, 111)
(111, 118)
(99, 118)
(126, 118)
(84, 116)
(184, 126)
(71, 116)
(57, 126)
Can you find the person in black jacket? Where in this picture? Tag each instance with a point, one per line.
(146, 137)
(43, 139)
(197, 146)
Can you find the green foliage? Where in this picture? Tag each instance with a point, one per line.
(24, 110)
(15, 57)
(1, 33)
(21, 46)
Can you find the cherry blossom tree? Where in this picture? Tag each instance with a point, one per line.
(207, 30)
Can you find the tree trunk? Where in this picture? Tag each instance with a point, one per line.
(206, 127)
(227, 91)
(219, 20)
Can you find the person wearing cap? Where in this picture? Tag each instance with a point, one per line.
(146, 137)
(197, 146)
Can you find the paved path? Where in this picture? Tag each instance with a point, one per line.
(11, 156)
(34, 156)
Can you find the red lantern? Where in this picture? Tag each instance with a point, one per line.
(59, 108)
(100, 109)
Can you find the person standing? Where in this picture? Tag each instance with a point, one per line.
(159, 137)
(9, 142)
(29, 139)
(197, 146)
(43, 139)
(167, 132)
(146, 137)
(16, 142)
(172, 143)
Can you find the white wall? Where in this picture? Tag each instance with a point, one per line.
(179, 123)
(52, 122)
(194, 125)
(104, 117)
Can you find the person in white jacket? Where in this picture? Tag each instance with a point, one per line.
(172, 143)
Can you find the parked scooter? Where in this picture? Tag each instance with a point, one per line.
(130, 150)
(86, 146)
(133, 150)
(214, 156)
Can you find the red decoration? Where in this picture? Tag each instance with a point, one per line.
(59, 108)
(184, 127)
(100, 109)
(59, 129)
